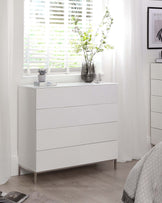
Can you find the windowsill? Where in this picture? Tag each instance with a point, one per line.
(58, 78)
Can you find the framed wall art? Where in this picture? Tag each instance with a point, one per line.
(154, 28)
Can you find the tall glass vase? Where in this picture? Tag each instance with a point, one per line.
(88, 72)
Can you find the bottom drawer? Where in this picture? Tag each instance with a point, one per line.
(74, 156)
(156, 136)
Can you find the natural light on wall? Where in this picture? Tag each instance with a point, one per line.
(121, 30)
(48, 30)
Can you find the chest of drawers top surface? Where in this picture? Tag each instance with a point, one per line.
(75, 84)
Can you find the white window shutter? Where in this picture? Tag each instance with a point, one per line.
(48, 32)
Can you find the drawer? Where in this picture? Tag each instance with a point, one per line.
(156, 87)
(156, 136)
(156, 120)
(76, 96)
(156, 71)
(81, 135)
(156, 104)
(74, 156)
(76, 116)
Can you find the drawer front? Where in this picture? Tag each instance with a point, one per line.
(156, 87)
(76, 116)
(74, 156)
(76, 96)
(156, 104)
(156, 136)
(156, 71)
(156, 120)
(81, 135)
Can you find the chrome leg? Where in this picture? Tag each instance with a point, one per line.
(115, 164)
(19, 171)
(35, 178)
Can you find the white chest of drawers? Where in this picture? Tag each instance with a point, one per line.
(67, 125)
(156, 103)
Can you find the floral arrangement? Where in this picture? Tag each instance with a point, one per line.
(90, 42)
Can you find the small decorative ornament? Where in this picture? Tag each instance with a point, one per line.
(98, 78)
(36, 83)
(42, 75)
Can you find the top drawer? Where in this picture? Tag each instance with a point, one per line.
(76, 95)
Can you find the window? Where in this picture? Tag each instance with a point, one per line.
(48, 31)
